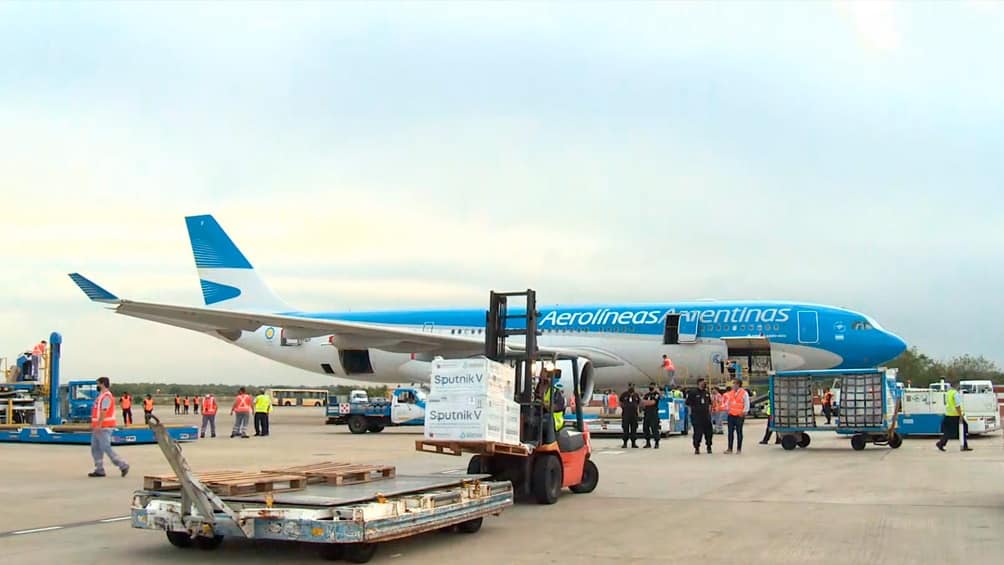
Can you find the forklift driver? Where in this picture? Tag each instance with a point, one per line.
(553, 402)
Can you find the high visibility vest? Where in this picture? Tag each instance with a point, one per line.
(735, 399)
(612, 401)
(667, 364)
(242, 403)
(559, 415)
(766, 407)
(126, 402)
(106, 418)
(185, 401)
(952, 402)
(208, 406)
(716, 403)
(828, 398)
(148, 404)
(262, 403)
(39, 350)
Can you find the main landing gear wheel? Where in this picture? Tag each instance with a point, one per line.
(804, 441)
(895, 440)
(788, 442)
(470, 526)
(208, 544)
(858, 443)
(358, 424)
(547, 478)
(179, 539)
(359, 552)
(590, 478)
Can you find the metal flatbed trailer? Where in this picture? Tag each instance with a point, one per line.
(344, 522)
(81, 435)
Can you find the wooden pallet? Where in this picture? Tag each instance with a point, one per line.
(447, 447)
(333, 473)
(232, 482)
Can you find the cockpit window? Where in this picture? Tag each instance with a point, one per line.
(862, 326)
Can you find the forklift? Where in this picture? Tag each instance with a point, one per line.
(551, 460)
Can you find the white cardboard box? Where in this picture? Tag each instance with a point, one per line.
(461, 420)
(510, 425)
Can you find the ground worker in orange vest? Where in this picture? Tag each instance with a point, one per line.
(37, 354)
(828, 405)
(209, 414)
(147, 408)
(102, 422)
(185, 404)
(195, 405)
(669, 370)
(126, 403)
(612, 402)
(242, 413)
(738, 402)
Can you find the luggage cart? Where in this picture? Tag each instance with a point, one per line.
(868, 406)
(344, 522)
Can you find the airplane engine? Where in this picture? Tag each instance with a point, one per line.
(586, 377)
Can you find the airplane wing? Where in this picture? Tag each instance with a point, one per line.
(228, 323)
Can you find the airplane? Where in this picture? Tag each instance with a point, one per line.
(615, 344)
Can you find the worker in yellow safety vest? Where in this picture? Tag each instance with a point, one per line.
(553, 402)
(770, 420)
(954, 414)
(262, 408)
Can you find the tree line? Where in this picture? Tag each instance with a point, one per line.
(921, 370)
(222, 390)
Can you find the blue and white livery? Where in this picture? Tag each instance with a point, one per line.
(620, 343)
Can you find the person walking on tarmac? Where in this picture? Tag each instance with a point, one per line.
(241, 411)
(954, 413)
(208, 414)
(828, 404)
(126, 403)
(262, 408)
(738, 402)
(102, 422)
(629, 401)
(650, 423)
(147, 408)
(770, 421)
(699, 402)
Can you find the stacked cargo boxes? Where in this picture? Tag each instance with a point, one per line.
(470, 400)
(793, 403)
(861, 404)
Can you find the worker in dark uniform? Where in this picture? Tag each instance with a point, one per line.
(650, 423)
(629, 400)
(699, 403)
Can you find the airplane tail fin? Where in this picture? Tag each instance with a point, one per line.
(227, 277)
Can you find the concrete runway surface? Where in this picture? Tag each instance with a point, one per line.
(824, 504)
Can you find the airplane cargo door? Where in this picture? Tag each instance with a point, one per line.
(688, 328)
(808, 326)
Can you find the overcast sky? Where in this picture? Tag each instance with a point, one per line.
(387, 155)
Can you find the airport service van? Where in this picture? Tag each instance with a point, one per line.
(923, 408)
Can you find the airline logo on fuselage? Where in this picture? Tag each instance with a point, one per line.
(607, 317)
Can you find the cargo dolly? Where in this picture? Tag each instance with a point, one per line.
(345, 522)
(867, 409)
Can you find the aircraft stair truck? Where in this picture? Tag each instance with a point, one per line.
(537, 465)
(406, 407)
(868, 406)
(347, 522)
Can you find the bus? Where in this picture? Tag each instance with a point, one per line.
(298, 396)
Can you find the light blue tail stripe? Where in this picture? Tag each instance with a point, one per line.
(216, 292)
(212, 247)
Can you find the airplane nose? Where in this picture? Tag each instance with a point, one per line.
(894, 346)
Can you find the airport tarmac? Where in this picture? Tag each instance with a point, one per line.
(825, 504)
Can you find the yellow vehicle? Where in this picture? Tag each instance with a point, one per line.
(298, 396)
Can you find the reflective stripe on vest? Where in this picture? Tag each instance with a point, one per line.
(208, 406)
(952, 402)
(736, 403)
(262, 403)
(107, 418)
(559, 416)
(243, 403)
